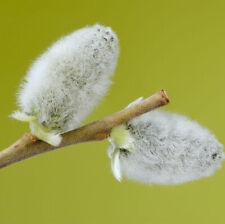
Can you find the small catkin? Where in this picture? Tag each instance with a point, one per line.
(66, 82)
(167, 149)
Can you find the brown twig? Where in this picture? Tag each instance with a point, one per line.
(29, 146)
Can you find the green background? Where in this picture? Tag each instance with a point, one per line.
(176, 45)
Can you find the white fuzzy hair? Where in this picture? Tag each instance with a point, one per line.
(168, 149)
(66, 82)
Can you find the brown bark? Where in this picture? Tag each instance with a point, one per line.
(29, 145)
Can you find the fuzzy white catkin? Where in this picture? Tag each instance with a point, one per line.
(66, 82)
(168, 149)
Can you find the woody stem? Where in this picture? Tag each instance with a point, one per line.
(29, 146)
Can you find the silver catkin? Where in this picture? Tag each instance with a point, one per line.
(167, 149)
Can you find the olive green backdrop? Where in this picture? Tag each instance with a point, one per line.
(176, 45)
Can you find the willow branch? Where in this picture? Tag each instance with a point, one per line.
(29, 145)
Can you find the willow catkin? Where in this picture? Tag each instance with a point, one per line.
(166, 148)
(65, 83)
